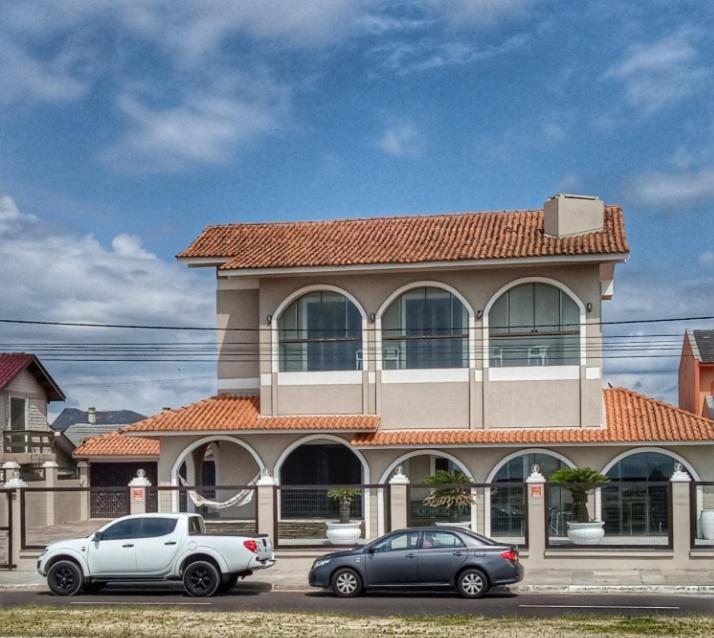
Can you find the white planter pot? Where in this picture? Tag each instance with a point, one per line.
(706, 525)
(586, 533)
(344, 533)
(461, 525)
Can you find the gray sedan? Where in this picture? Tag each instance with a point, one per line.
(429, 557)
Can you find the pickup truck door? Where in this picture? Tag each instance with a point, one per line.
(115, 553)
(157, 547)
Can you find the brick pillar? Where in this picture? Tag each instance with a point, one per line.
(399, 499)
(265, 506)
(15, 483)
(50, 468)
(536, 515)
(84, 497)
(137, 492)
(681, 521)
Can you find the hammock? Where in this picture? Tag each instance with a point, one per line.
(242, 498)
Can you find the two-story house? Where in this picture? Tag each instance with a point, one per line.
(469, 341)
(25, 390)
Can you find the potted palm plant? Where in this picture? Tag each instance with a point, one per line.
(580, 481)
(344, 531)
(452, 492)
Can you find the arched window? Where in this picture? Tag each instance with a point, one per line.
(636, 503)
(425, 327)
(508, 510)
(321, 330)
(534, 324)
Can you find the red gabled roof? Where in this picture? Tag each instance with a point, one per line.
(12, 363)
(117, 444)
(401, 240)
(630, 418)
(227, 412)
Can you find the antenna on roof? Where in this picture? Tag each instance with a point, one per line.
(609, 385)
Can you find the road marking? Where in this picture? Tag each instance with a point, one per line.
(598, 607)
(114, 602)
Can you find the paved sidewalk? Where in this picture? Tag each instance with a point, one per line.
(290, 574)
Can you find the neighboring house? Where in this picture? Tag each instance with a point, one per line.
(696, 373)
(25, 390)
(471, 341)
(116, 459)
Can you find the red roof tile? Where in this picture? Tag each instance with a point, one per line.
(117, 444)
(630, 417)
(11, 364)
(230, 412)
(401, 240)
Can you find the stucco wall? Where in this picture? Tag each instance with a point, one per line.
(483, 403)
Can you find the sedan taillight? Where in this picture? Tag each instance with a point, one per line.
(510, 554)
(251, 545)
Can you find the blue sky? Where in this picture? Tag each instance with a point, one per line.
(125, 127)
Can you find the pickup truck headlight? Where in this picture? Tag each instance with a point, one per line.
(321, 562)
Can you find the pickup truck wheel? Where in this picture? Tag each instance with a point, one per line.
(201, 579)
(64, 578)
(346, 583)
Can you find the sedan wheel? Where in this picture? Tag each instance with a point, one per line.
(472, 583)
(64, 578)
(346, 583)
(201, 579)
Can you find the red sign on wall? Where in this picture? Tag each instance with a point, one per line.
(536, 490)
(137, 493)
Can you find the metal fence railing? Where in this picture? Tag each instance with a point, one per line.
(701, 504)
(238, 517)
(310, 515)
(629, 514)
(495, 509)
(6, 529)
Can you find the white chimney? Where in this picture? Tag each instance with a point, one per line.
(573, 214)
(91, 414)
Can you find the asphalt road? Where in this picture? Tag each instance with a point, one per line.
(257, 598)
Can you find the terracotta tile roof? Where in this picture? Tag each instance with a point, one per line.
(11, 364)
(630, 417)
(230, 412)
(117, 444)
(401, 240)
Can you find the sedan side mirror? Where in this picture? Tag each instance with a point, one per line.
(98, 536)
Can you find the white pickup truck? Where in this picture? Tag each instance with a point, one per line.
(154, 547)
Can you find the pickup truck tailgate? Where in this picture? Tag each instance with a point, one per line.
(265, 548)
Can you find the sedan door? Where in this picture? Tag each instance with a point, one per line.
(393, 560)
(157, 547)
(442, 555)
(114, 553)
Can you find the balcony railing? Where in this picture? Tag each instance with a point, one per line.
(28, 442)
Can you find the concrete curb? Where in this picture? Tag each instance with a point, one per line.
(614, 589)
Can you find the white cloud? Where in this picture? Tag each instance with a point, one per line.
(661, 73)
(402, 139)
(707, 258)
(673, 188)
(482, 13)
(62, 276)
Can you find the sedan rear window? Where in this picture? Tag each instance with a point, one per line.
(441, 540)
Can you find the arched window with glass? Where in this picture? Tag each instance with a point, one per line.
(425, 327)
(320, 331)
(636, 502)
(508, 495)
(534, 324)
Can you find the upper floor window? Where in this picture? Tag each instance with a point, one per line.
(425, 327)
(321, 330)
(534, 324)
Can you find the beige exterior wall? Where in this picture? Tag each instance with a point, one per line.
(476, 401)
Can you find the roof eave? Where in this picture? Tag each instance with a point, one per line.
(426, 265)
